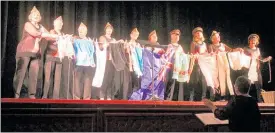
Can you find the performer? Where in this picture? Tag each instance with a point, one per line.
(254, 72)
(150, 77)
(131, 81)
(28, 53)
(53, 65)
(85, 64)
(109, 74)
(174, 89)
(134, 57)
(223, 70)
(197, 79)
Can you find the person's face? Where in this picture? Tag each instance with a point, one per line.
(253, 41)
(35, 17)
(82, 31)
(134, 35)
(198, 34)
(175, 38)
(109, 31)
(58, 25)
(216, 38)
(153, 38)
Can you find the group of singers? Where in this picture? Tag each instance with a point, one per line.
(132, 70)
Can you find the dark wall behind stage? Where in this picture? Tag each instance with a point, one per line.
(235, 21)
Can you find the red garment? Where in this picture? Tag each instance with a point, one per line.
(27, 43)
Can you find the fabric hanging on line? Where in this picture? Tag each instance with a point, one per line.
(237, 60)
(223, 73)
(207, 65)
(65, 47)
(118, 56)
(162, 65)
(181, 66)
(100, 65)
(84, 52)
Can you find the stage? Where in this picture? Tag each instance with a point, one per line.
(112, 116)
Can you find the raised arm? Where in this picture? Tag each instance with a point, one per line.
(36, 33)
(228, 49)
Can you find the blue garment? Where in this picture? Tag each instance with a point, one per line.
(137, 60)
(145, 93)
(84, 52)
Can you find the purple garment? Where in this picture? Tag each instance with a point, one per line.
(145, 93)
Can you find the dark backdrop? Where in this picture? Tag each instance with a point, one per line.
(235, 21)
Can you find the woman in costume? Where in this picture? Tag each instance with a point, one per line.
(254, 71)
(107, 88)
(85, 64)
(197, 78)
(223, 70)
(28, 53)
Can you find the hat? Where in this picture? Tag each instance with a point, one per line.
(252, 36)
(152, 33)
(34, 10)
(214, 33)
(197, 29)
(108, 25)
(134, 30)
(175, 31)
(82, 25)
(59, 19)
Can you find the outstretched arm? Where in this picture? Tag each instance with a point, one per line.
(222, 113)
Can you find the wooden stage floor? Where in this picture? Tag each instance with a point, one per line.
(47, 115)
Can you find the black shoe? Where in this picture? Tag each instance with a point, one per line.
(212, 98)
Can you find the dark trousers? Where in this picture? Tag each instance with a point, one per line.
(24, 64)
(121, 84)
(52, 69)
(255, 91)
(175, 90)
(67, 79)
(131, 83)
(126, 83)
(83, 82)
(108, 81)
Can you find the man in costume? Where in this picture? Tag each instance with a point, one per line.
(85, 64)
(223, 70)
(107, 88)
(151, 57)
(28, 54)
(134, 55)
(53, 65)
(254, 71)
(197, 79)
(174, 89)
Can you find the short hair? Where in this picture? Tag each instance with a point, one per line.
(243, 84)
